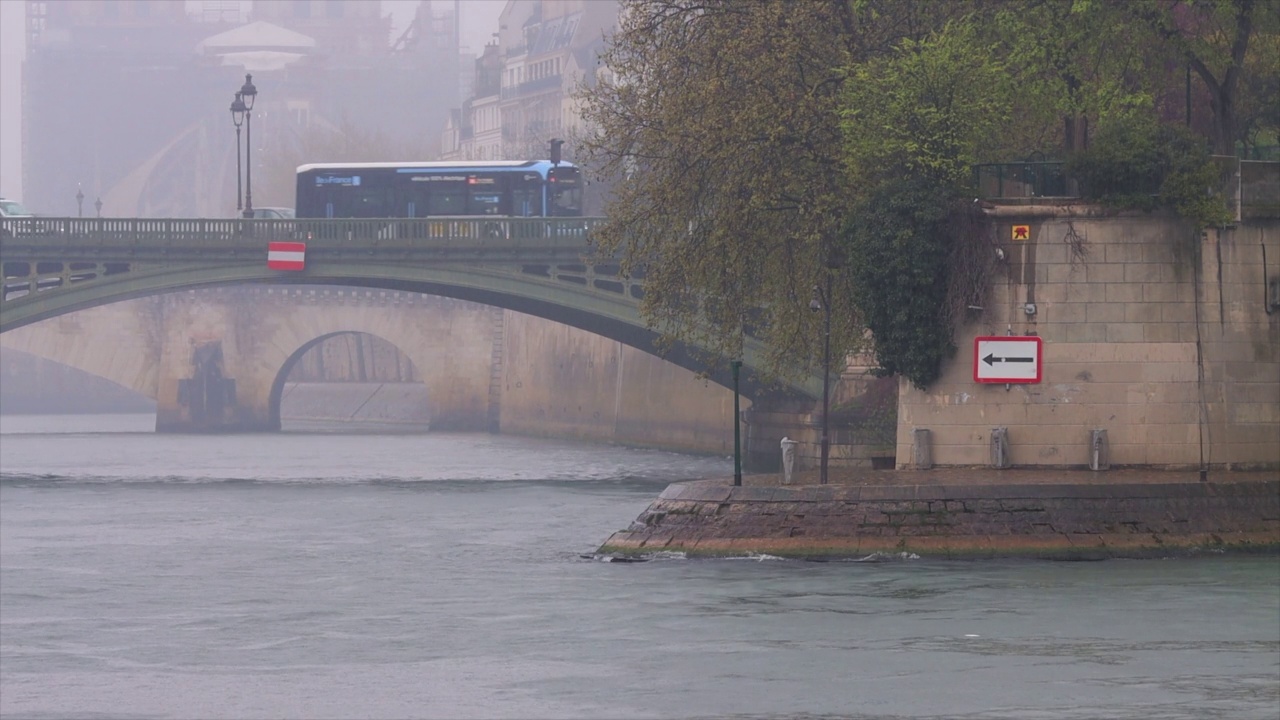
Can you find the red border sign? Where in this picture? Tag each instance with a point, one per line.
(286, 255)
(1008, 359)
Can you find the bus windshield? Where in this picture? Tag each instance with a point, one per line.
(564, 191)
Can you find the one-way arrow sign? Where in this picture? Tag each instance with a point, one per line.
(991, 359)
(1006, 359)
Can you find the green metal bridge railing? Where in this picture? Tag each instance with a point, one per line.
(170, 236)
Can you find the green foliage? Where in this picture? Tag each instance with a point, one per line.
(1228, 45)
(1138, 163)
(915, 123)
(898, 254)
(738, 138)
(717, 126)
(1122, 166)
(934, 107)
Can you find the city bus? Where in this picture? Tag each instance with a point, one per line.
(515, 189)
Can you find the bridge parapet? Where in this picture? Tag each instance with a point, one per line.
(441, 237)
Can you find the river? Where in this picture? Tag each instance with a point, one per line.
(343, 575)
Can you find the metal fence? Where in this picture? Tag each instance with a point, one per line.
(1028, 179)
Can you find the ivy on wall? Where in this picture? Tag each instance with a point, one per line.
(897, 249)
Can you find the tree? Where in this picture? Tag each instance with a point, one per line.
(717, 126)
(915, 123)
(1212, 37)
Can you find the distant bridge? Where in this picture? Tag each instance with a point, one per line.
(538, 266)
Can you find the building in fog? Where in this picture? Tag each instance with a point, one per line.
(525, 78)
(129, 100)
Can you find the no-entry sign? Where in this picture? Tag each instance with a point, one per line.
(1006, 359)
(286, 255)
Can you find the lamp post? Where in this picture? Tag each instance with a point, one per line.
(822, 301)
(237, 119)
(97, 204)
(737, 426)
(248, 93)
(79, 202)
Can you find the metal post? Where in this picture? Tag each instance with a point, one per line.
(248, 93)
(737, 426)
(826, 380)
(239, 173)
(822, 301)
(79, 202)
(98, 205)
(237, 118)
(248, 164)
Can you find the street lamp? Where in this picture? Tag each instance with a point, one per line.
(79, 202)
(737, 425)
(822, 301)
(97, 204)
(248, 93)
(237, 118)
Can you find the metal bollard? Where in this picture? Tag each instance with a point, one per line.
(1099, 450)
(921, 454)
(999, 447)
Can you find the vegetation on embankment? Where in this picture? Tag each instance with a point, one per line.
(754, 150)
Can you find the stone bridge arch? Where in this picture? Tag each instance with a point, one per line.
(451, 347)
(261, 333)
(368, 388)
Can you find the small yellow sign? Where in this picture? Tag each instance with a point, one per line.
(1021, 232)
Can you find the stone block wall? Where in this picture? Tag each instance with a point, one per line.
(558, 381)
(1068, 521)
(1164, 340)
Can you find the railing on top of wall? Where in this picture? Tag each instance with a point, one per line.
(1041, 178)
(1251, 187)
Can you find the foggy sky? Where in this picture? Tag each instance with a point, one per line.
(479, 20)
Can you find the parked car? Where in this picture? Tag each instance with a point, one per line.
(273, 213)
(12, 209)
(279, 228)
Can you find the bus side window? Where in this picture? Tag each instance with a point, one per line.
(522, 203)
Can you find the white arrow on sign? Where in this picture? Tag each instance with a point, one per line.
(1006, 359)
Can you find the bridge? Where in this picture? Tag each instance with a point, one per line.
(545, 267)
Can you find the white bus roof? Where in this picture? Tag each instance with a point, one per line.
(435, 165)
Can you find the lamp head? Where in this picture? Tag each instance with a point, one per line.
(249, 92)
(238, 110)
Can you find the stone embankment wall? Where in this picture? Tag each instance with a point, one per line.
(558, 381)
(1165, 340)
(1066, 521)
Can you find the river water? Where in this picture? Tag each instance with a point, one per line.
(340, 575)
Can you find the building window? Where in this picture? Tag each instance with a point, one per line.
(302, 8)
(334, 8)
